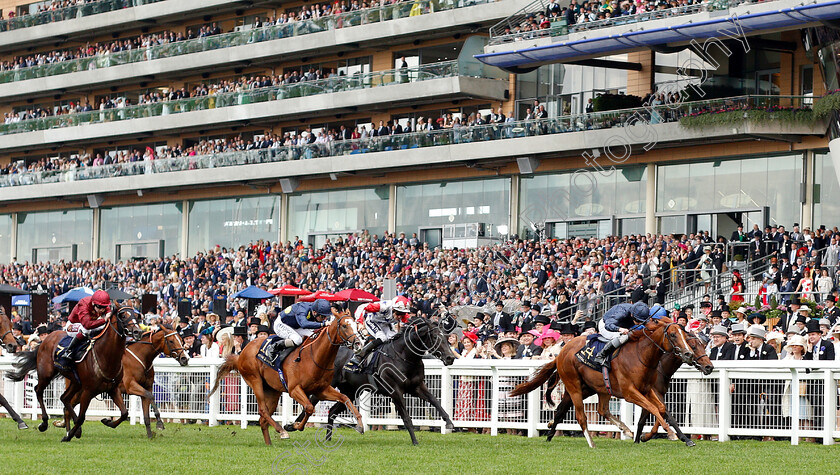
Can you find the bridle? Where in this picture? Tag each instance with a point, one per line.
(675, 349)
(326, 330)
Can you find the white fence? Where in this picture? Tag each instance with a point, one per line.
(759, 400)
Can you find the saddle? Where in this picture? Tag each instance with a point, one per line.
(275, 362)
(67, 364)
(368, 364)
(594, 344)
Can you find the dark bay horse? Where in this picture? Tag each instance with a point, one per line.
(100, 372)
(632, 376)
(398, 371)
(11, 344)
(308, 371)
(139, 374)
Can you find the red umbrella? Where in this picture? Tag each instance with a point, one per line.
(289, 290)
(357, 295)
(321, 294)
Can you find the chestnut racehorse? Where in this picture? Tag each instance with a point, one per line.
(139, 374)
(11, 344)
(632, 375)
(100, 372)
(308, 371)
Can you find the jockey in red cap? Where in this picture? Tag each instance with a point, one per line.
(87, 316)
(380, 318)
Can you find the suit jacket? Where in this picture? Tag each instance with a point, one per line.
(638, 294)
(825, 351)
(526, 351)
(723, 352)
(661, 292)
(742, 352)
(766, 352)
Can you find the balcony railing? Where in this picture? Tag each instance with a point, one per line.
(70, 13)
(239, 38)
(561, 28)
(228, 99)
(658, 114)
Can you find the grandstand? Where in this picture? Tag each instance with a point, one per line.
(140, 128)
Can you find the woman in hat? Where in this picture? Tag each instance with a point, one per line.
(456, 346)
(510, 408)
(548, 342)
(209, 348)
(465, 400)
(795, 351)
(736, 294)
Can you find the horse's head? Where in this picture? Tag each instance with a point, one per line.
(174, 345)
(343, 329)
(676, 341)
(422, 336)
(700, 359)
(9, 341)
(124, 320)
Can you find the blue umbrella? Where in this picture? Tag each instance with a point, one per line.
(252, 292)
(74, 295)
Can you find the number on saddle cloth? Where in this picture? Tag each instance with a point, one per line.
(594, 344)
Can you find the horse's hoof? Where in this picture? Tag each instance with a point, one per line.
(66, 439)
(107, 422)
(22, 425)
(689, 443)
(58, 423)
(361, 430)
(160, 426)
(673, 437)
(289, 428)
(79, 433)
(450, 426)
(284, 435)
(43, 426)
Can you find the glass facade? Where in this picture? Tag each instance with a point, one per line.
(439, 204)
(53, 235)
(747, 184)
(5, 238)
(826, 192)
(139, 230)
(317, 215)
(576, 196)
(233, 222)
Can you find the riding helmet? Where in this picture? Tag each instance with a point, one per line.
(100, 297)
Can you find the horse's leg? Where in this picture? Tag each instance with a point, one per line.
(641, 426)
(291, 426)
(633, 395)
(308, 408)
(580, 414)
(116, 396)
(423, 392)
(15, 415)
(43, 382)
(84, 402)
(559, 413)
(335, 410)
(656, 399)
(272, 396)
(69, 399)
(256, 384)
(331, 394)
(147, 420)
(399, 404)
(604, 411)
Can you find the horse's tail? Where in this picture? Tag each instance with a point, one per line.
(546, 372)
(25, 362)
(552, 381)
(225, 369)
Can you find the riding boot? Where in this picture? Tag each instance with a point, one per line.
(362, 352)
(74, 345)
(604, 354)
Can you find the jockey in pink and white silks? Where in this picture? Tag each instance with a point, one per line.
(380, 320)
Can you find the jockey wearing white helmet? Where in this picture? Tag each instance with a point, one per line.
(380, 318)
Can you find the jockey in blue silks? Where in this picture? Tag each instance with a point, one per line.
(616, 326)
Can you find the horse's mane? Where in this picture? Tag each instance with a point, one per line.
(639, 333)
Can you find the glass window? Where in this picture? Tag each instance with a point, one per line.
(5, 238)
(338, 212)
(438, 204)
(232, 222)
(144, 226)
(53, 235)
(672, 189)
(826, 191)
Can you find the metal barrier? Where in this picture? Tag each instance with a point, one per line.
(736, 400)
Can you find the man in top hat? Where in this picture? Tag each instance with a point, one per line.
(528, 319)
(757, 348)
(240, 339)
(589, 328)
(820, 348)
(192, 347)
(263, 331)
(541, 321)
(831, 311)
(568, 332)
(719, 348)
(739, 334)
(253, 323)
(701, 328)
(501, 319)
(715, 318)
(527, 349)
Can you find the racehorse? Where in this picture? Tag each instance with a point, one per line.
(632, 376)
(398, 371)
(667, 367)
(11, 344)
(139, 374)
(100, 372)
(308, 371)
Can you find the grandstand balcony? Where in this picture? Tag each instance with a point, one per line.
(381, 90)
(79, 22)
(659, 30)
(393, 24)
(487, 145)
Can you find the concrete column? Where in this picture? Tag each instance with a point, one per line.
(185, 228)
(392, 208)
(13, 240)
(97, 231)
(514, 205)
(808, 205)
(284, 218)
(650, 199)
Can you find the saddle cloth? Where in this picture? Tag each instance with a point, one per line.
(66, 365)
(367, 366)
(594, 344)
(277, 363)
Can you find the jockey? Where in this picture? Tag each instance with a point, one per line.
(379, 323)
(616, 324)
(299, 320)
(87, 316)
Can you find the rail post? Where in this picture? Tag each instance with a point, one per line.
(446, 394)
(213, 402)
(829, 411)
(724, 405)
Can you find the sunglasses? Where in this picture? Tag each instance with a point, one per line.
(100, 307)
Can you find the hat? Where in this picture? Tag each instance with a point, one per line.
(187, 332)
(263, 329)
(719, 330)
(547, 334)
(761, 318)
(715, 313)
(568, 329)
(739, 328)
(777, 336)
(239, 330)
(831, 299)
(17, 326)
(589, 324)
(813, 326)
(224, 331)
(795, 340)
(41, 330)
(801, 319)
(512, 341)
(542, 319)
(536, 306)
(702, 318)
(254, 321)
(742, 310)
(471, 336)
(757, 331)
(705, 304)
(805, 309)
(826, 322)
(795, 300)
